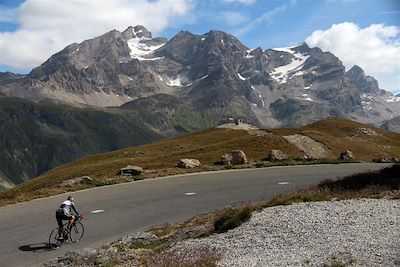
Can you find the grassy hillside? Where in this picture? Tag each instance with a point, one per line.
(168, 114)
(158, 159)
(366, 142)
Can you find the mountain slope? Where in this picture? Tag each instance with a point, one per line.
(36, 137)
(168, 114)
(392, 125)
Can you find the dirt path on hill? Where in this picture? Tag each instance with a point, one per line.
(309, 146)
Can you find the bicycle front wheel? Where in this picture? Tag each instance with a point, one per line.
(76, 232)
(55, 239)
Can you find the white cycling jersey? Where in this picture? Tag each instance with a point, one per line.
(66, 207)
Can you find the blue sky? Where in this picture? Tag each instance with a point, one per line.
(362, 32)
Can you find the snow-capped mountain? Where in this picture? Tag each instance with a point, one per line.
(213, 75)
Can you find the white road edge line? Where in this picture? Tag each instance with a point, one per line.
(96, 211)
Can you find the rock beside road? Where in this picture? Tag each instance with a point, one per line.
(235, 157)
(275, 155)
(188, 163)
(78, 180)
(346, 155)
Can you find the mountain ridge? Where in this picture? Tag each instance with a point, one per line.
(214, 73)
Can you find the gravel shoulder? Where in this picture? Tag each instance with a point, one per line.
(362, 232)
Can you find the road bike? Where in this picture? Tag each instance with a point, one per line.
(60, 236)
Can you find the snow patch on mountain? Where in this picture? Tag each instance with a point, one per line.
(248, 53)
(262, 101)
(282, 73)
(393, 99)
(286, 49)
(366, 101)
(139, 49)
(195, 81)
(306, 97)
(178, 81)
(76, 50)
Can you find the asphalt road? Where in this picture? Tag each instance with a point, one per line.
(126, 208)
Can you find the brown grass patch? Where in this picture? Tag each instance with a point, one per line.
(376, 184)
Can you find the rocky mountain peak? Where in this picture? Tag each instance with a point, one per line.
(302, 48)
(366, 84)
(138, 31)
(223, 38)
(356, 73)
(182, 36)
(129, 33)
(218, 34)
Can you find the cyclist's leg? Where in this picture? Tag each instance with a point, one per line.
(70, 222)
(60, 224)
(64, 231)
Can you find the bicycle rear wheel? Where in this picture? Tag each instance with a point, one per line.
(55, 240)
(76, 232)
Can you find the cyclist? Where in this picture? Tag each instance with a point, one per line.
(64, 212)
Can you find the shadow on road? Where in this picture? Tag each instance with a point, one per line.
(38, 247)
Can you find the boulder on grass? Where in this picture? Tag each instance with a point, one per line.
(309, 157)
(386, 160)
(78, 180)
(188, 163)
(131, 171)
(346, 155)
(275, 155)
(235, 157)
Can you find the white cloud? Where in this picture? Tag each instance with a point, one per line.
(48, 26)
(232, 18)
(375, 48)
(266, 18)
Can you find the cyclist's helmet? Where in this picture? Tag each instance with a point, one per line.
(70, 198)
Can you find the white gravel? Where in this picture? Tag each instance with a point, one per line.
(362, 232)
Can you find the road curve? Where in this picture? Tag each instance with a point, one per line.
(126, 208)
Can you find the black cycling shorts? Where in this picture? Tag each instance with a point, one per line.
(60, 216)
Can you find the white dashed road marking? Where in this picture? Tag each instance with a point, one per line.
(190, 194)
(283, 183)
(96, 211)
